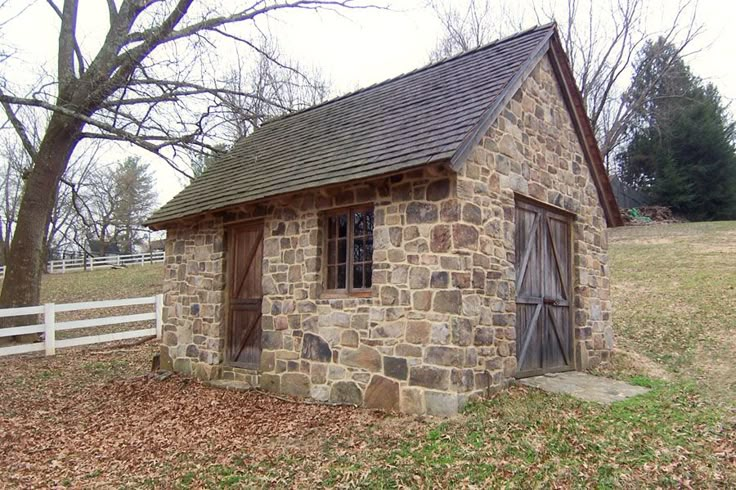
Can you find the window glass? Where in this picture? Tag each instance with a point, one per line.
(349, 253)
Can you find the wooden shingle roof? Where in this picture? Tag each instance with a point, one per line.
(428, 115)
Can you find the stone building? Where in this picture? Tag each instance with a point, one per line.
(403, 247)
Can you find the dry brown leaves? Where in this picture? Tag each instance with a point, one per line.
(80, 426)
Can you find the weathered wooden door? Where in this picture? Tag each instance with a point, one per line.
(244, 286)
(543, 290)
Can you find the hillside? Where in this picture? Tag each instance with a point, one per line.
(674, 292)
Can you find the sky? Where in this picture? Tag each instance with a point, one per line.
(356, 48)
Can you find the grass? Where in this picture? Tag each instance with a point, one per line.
(674, 291)
(105, 284)
(520, 438)
(102, 284)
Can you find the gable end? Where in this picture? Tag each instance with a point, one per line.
(575, 107)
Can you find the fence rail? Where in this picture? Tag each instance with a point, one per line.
(106, 262)
(50, 326)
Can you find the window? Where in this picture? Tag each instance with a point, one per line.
(350, 250)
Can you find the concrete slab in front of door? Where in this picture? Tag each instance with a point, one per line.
(585, 386)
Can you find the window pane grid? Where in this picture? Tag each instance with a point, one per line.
(350, 250)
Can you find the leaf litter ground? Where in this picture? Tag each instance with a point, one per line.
(93, 418)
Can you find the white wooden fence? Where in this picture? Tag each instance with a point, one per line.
(106, 262)
(50, 326)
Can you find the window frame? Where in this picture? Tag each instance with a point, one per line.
(349, 290)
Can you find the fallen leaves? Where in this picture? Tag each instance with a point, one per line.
(131, 430)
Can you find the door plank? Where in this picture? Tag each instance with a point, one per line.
(247, 269)
(530, 332)
(556, 257)
(544, 341)
(558, 336)
(521, 275)
(245, 258)
(249, 331)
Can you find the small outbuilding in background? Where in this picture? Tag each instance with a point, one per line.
(403, 247)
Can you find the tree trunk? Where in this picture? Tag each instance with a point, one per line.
(22, 283)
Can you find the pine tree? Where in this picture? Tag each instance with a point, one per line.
(135, 190)
(701, 145)
(680, 146)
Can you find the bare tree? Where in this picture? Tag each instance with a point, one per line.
(147, 85)
(464, 28)
(66, 215)
(101, 196)
(14, 163)
(280, 87)
(600, 38)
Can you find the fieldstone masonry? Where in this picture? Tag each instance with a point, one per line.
(438, 326)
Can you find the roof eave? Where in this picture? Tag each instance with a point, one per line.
(586, 134)
(163, 223)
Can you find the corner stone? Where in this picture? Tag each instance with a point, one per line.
(270, 382)
(429, 377)
(296, 384)
(441, 404)
(395, 367)
(448, 301)
(421, 212)
(363, 357)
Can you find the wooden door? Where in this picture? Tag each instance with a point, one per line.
(245, 256)
(543, 290)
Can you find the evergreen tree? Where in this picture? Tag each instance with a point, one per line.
(136, 197)
(701, 145)
(680, 146)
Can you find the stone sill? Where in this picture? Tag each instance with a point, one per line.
(339, 295)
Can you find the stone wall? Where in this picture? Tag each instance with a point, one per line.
(194, 282)
(408, 346)
(438, 326)
(533, 150)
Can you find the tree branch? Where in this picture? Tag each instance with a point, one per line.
(77, 50)
(20, 129)
(67, 41)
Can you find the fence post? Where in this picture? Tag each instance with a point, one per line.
(159, 315)
(49, 323)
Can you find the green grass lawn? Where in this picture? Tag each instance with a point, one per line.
(129, 282)
(674, 291)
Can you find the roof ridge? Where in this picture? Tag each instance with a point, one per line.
(491, 44)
